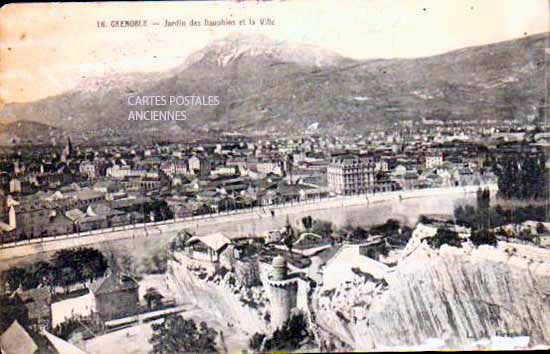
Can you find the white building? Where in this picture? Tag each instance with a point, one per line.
(348, 175)
(201, 165)
(87, 169)
(270, 166)
(434, 160)
(15, 186)
(120, 172)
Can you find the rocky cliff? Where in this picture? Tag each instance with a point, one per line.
(456, 296)
(221, 294)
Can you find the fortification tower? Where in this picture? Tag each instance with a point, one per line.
(284, 290)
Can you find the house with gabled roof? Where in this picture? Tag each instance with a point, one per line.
(212, 250)
(115, 296)
(16, 340)
(61, 345)
(207, 247)
(37, 301)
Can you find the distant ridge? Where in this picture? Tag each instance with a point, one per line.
(273, 86)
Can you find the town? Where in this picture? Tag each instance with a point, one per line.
(76, 188)
(163, 191)
(274, 176)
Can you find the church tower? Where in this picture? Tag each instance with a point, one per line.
(69, 146)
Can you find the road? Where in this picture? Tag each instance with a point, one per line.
(249, 221)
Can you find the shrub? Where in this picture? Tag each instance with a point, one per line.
(483, 237)
(177, 335)
(445, 236)
(256, 340)
(290, 335)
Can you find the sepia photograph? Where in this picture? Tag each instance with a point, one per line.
(274, 176)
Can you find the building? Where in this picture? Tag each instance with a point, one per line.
(12, 221)
(115, 296)
(209, 248)
(62, 346)
(434, 160)
(347, 175)
(87, 169)
(15, 186)
(171, 168)
(374, 248)
(121, 172)
(68, 151)
(201, 166)
(16, 340)
(37, 302)
(269, 166)
(284, 292)
(225, 171)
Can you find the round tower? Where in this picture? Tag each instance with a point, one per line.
(284, 290)
(280, 268)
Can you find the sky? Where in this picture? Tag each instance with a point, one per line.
(47, 49)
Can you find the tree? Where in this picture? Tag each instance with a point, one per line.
(14, 277)
(288, 240)
(423, 219)
(483, 237)
(78, 265)
(445, 236)
(307, 221)
(66, 328)
(541, 229)
(177, 335)
(43, 272)
(126, 263)
(466, 215)
(255, 342)
(288, 236)
(289, 336)
(323, 228)
(66, 277)
(522, 176)
(359, 234)
(11, 309)
(391, 226)
(483, 197)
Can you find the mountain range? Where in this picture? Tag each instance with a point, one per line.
(268, 86)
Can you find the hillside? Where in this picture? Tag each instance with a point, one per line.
(269, 86)
(21, 132)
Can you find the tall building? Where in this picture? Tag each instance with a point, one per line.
(347, 175)
(67, 151)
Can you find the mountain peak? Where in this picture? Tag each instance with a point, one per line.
(271, 85)
(224, 51)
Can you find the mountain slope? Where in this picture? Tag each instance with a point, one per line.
(29, 131)
(265, 85)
